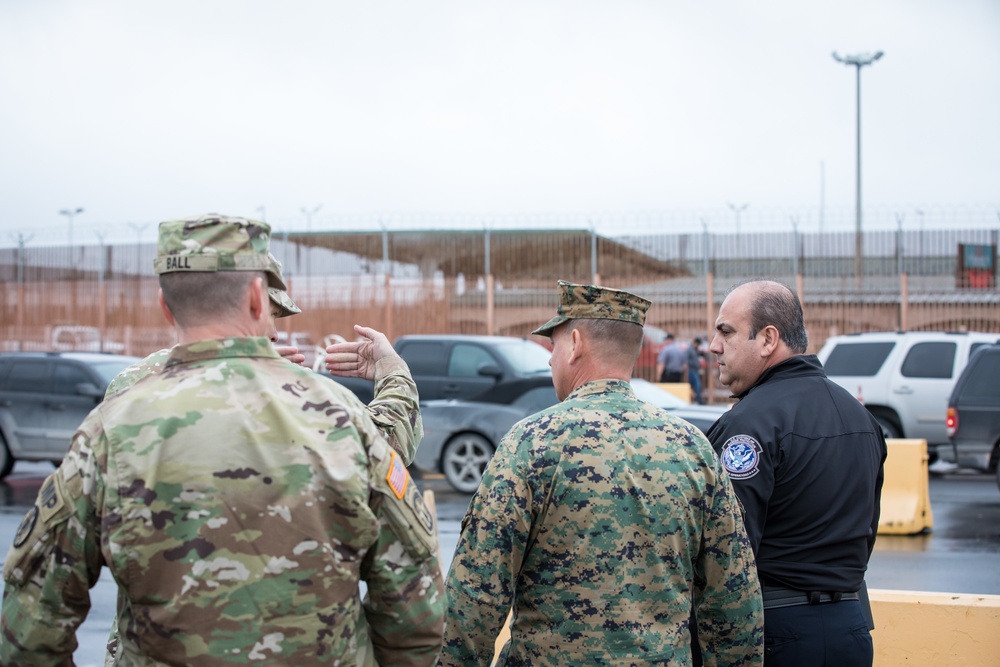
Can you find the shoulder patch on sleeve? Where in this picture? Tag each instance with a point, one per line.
(741, 456)
(27, 525)
(398, 477)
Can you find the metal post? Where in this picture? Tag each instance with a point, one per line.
(20, 289)
(386, 282)
(309, 214)
(593, 255)
(858, 61)
(102, 295)
(737, 210)
(490, 284)
(70, 213)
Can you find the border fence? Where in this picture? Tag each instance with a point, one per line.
(483, 281)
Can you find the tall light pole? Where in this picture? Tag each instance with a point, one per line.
(70, 213)
(737, 210)
(858, 60)
(137, 228)
(309, 214)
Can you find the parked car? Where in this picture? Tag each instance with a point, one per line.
(904, 378)
(78, 338)
(45, 396)
(463, 366)
(973, 416)
(461, 436)
(302, 341)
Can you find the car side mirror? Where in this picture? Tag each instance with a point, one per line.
(89, 389)
(490, 370)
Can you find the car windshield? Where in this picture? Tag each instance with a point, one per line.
(650, 393)
(526, 357)
(109, 369)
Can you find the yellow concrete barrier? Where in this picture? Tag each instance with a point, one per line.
(906, 501)
(930, 629)
(681, 390)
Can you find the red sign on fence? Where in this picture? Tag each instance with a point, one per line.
(976, 266)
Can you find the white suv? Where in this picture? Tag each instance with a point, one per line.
(904, 378)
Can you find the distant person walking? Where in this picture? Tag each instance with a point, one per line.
(694, 357)
(671, 363)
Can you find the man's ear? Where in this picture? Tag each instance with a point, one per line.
(258, 299)
(577, 345)
(771, 340)
(166, 310)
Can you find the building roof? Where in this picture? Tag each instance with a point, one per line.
(536, 254)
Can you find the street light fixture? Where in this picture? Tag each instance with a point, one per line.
(309, 214)
(858, 61)
(70, 213)
(737, 210)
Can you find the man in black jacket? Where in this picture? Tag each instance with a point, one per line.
(806, 460)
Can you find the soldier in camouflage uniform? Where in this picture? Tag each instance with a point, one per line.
(237, 499)
(602, 522)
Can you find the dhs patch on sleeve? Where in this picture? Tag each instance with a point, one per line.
(741, 456)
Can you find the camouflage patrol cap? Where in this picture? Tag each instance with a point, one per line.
(213, 242)
(590, 302)
(284, 302)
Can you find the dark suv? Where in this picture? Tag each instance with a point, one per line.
(463, 366)
(973, 417)
(45, 396)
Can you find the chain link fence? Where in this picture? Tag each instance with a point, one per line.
(502, 281)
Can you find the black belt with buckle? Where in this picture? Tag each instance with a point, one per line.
(775, 598)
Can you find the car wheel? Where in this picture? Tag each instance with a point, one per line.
(464, 459)
(889, 429)
(6, 460)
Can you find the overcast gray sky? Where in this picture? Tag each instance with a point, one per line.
(144, 111)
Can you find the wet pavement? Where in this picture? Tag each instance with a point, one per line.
(961, 554)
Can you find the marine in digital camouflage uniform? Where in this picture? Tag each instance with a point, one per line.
(237, 499)
(603, 521)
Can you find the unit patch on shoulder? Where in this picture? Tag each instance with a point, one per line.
(397, 476)
(27, 525)
(741, 456)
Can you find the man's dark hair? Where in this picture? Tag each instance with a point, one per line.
(204, 296)
(775, 304)
(615, 337)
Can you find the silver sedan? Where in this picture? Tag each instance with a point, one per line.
(461, 436)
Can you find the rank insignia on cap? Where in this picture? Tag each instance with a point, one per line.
(741, 456)
(397, 476)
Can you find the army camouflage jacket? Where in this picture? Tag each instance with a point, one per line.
(395, 409)
(238, 501)
(604, 521)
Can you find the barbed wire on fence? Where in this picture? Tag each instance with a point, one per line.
(721, 220)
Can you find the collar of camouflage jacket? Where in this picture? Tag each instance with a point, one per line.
(221, 348)
(595, 387)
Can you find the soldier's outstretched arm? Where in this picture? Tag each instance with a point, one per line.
(396, 406)
(729, 607)
(55, 560)
(405, 603)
